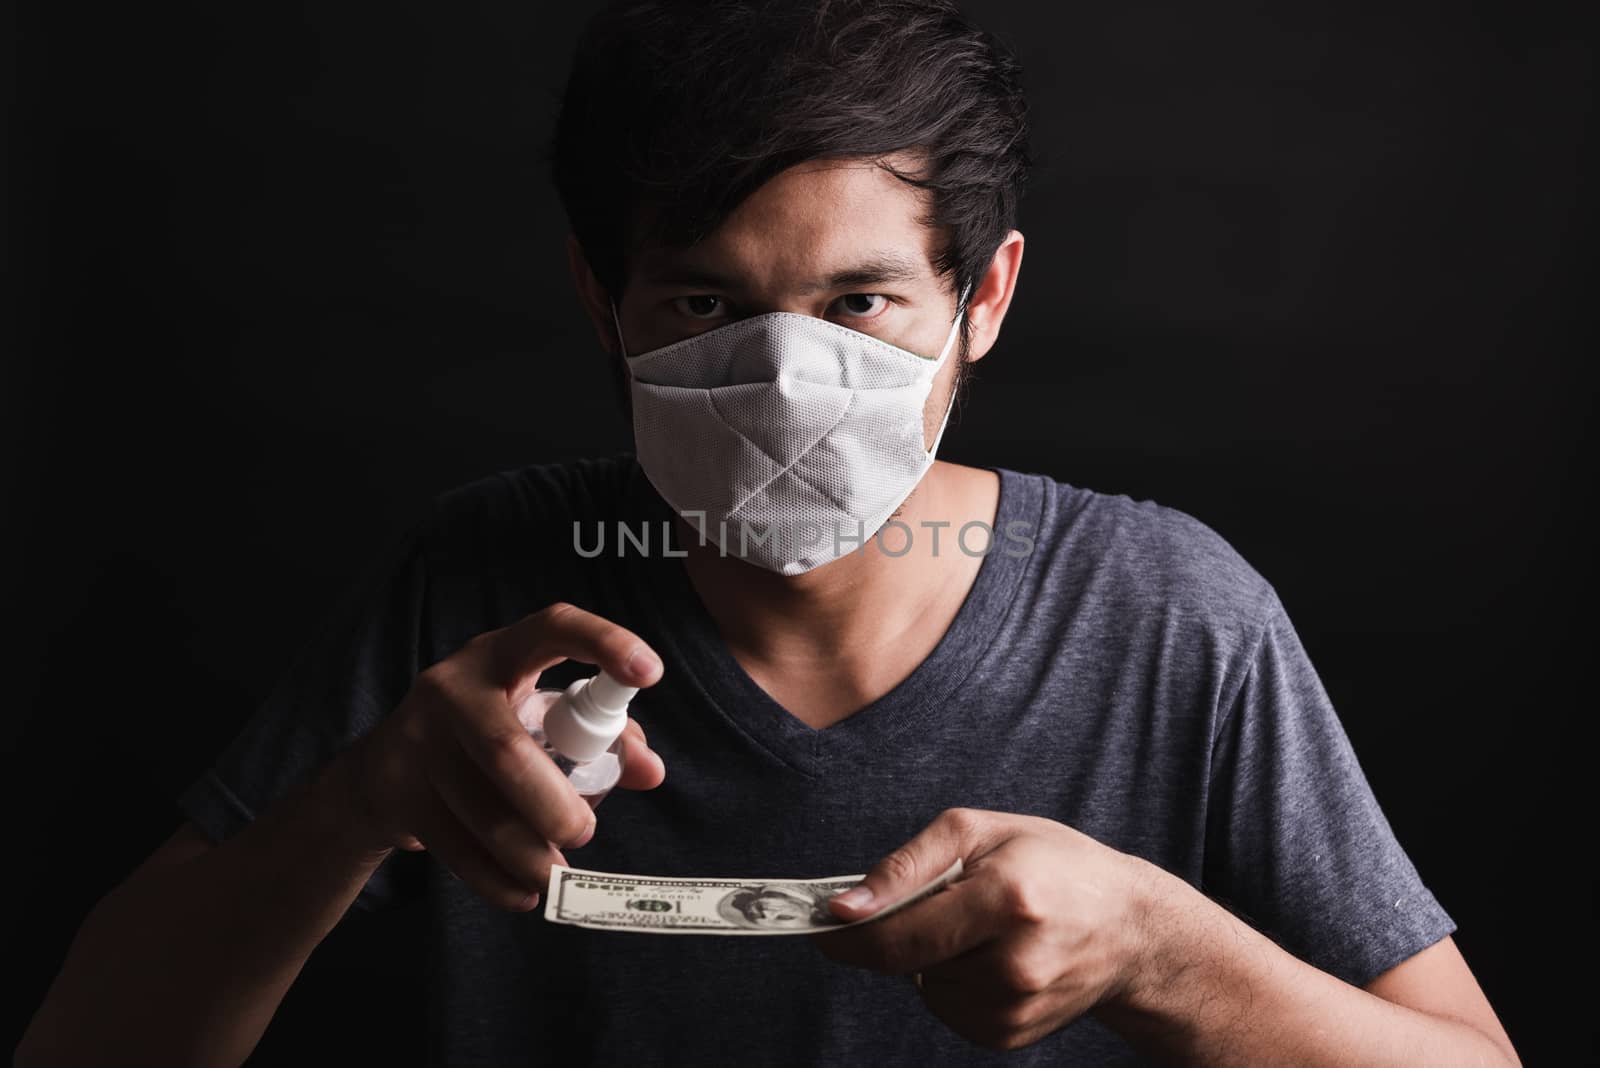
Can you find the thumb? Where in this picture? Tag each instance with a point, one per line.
(956, 834)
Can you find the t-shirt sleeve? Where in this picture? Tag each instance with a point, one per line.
(1296, 842)
(349, 673)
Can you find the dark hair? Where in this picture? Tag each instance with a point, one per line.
(677, 110)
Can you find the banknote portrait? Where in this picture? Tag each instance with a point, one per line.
(780, 905)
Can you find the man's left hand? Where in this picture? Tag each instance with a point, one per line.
(1044, 924)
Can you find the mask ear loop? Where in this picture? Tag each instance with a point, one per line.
(961, 311)
(623, 345)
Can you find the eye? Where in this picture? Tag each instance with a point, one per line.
(862, 305)
(700, 306)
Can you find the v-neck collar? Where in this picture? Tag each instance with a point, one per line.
(691, 641)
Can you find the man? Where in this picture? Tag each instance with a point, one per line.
(777, 906)
(793, 227)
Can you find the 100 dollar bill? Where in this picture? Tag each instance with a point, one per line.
(652, 904)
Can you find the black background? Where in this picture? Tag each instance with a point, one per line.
(1307, 272)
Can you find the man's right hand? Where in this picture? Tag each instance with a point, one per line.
(453, 771)
(186, 960)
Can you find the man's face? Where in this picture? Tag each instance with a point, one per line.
(778, 910)
(837, 239)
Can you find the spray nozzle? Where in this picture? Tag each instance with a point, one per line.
(588, 717)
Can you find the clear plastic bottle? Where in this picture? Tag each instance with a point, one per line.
(581, 728)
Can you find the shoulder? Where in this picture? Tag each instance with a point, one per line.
(501, 545)
(1131, 559)
(525, 517)
(535, 500)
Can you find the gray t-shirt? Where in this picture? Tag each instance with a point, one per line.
(1116, 667)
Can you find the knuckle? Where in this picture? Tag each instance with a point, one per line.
(615, 638)
(998, 1029)
(1021, 974)
(528, 872)
(1021, 900)
(1015, 1025)
(1010, 1041)
(571, 825)
(962, 821)
(1015, 1018)
(431, 682)
(506, 755)
(437, 687)
(501, 837)
(555, 611)
(898, 866)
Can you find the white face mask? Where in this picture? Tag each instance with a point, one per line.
(786, 439)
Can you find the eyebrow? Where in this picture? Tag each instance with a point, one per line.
(877, 269)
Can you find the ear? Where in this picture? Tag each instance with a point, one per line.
(596, 302)
(987, 308)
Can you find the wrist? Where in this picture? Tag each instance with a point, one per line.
(1161, 936)
(342, 811)
(1191, 968)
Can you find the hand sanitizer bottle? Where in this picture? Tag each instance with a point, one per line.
(581, 728)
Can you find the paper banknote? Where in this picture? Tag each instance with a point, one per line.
(667, 905)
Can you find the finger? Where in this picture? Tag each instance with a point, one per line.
(1001, 971)
(958, 832)
(642, 767)
(514, 846)
(634, 731)
(524, 649)
(488, 731)
(444, 836)
(518, 768)
(957, 919)
(990, 1018)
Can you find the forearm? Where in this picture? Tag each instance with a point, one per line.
(1214, 991)
(185, 964)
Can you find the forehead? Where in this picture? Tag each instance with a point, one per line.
(807, 225)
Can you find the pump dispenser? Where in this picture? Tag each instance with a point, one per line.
(581, 728)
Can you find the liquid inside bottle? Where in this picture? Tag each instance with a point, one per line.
(592, 779)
